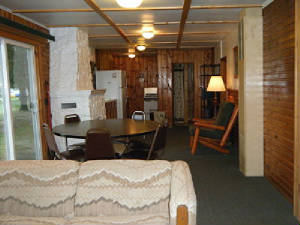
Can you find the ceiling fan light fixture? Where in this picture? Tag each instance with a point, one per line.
(141, 48)
(148, 34)
(131, 55)
(129, 3)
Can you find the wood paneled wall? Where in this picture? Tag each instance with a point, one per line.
(165, 58)
(141, 66)
(279, 43)
(157, 71)
(297, 114)
(42, 64)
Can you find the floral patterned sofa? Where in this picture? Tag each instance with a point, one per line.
(106, 192)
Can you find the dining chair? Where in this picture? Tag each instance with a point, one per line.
(138, 115)
(75, 154)
(99, 145)
(155, 150)
(73, 118)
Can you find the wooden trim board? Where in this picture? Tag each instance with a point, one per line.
(297, 114)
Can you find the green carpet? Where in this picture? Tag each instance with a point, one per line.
(224, 195)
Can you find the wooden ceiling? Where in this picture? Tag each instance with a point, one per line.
(177, 23)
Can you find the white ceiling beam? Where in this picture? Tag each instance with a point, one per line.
(99, 11)
(160, 34)
(184, 15)
(141, 24)
(236, 6)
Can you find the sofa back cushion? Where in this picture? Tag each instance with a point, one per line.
(38, 188)
(123, 187)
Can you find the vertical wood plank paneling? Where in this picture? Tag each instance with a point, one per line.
(279, 42)
(145, 65)
(197, 57)
(42, 65)
(297, 114)
(157, 71)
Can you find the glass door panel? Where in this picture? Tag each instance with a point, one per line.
(21, 120)
(2, 127)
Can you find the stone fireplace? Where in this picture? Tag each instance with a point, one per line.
(71, 89)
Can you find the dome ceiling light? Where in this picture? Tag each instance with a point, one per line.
(129, 3)
(131, 55)
(148, 32)
(141, 48)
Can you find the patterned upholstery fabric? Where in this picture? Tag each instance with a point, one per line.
(157, 219)
(38, 188)
(182, 192)
(21, 220)
(106, 192)
(123, 188)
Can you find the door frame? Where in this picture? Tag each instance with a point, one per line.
(173, 91)
(10, 144)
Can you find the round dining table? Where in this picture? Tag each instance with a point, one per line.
(117, 128)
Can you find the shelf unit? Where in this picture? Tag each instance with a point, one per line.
(206, 98)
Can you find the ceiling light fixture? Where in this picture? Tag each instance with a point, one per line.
(141, 48)
(131, 55)
(148, 32)
(129, 3)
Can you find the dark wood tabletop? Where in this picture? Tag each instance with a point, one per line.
(117, 128)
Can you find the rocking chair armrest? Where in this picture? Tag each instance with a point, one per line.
(203, 120)
(209, 125)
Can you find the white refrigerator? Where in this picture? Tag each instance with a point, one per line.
(114, 81)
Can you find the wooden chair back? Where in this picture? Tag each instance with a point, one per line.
(52, 146)
(99, 145)
(72, 118)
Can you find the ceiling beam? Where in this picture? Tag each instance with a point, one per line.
(160, 34)
(175, 42)
(237, 6)
(141, 24)
(98, 10)
(165, 42)
(153, 47)
(184, 15)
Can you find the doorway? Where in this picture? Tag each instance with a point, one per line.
(183, 93)
(19, 117)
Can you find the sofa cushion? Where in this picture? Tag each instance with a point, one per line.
(156, 219)
(22, 220)
(38, 188)
(224, 114)
(123, 188)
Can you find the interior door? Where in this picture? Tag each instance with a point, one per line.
(19, 117)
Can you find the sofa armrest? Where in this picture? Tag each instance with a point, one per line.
(182, 192)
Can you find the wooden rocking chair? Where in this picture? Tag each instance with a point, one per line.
(214, 134)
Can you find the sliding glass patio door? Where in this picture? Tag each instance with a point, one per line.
(19, 117)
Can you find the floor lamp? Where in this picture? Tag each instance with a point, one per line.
(216, 84)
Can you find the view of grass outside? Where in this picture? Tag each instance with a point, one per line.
(23, 131)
